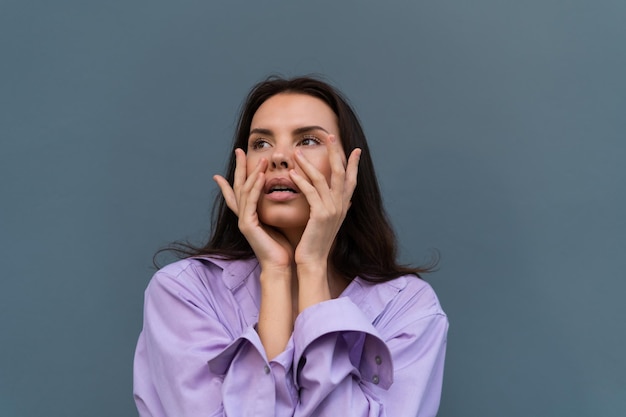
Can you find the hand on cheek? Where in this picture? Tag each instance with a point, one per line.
(328, 200)
(270, 247)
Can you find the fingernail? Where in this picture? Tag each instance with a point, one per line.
(332, 138)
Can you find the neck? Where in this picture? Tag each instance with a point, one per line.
(293, 235)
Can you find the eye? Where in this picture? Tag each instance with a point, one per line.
(309, 140)
(259, 143)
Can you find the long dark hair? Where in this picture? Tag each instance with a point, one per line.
(365, 244)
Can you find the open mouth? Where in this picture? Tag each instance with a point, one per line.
(281, 186)
(281, 189)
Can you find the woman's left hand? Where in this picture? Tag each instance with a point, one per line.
(328, 203)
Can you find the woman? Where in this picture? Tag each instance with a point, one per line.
(296, 306)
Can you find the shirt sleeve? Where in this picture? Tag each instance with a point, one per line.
(188, 363)
(345, 366)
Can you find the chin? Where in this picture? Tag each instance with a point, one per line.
(284, 216)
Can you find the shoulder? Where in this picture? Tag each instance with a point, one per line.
(404, 299)
(199, 274)
(420, 294)
(186, 270)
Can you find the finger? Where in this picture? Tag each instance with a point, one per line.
(352, 171)
(240, 169)
(251, 182)
(227, 192)
(250, 199)
(310, 192)
(316, 178)
(261, 166)
(337, 160)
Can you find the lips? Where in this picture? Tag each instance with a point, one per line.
(280, 185)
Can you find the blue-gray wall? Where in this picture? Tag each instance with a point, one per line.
(498, 132)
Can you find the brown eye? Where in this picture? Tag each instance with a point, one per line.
(309, 141)
(260, 144)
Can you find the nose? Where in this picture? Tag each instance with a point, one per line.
(281, 158)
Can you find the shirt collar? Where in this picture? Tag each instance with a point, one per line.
(235, 271)
(372, 298)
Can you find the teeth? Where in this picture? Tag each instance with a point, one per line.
(282, 189)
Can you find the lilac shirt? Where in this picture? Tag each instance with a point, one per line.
(377, 350)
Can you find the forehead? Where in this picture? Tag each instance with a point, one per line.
(290, 110)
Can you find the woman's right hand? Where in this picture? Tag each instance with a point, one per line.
(271, 248)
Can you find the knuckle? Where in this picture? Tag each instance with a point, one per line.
(331, 212)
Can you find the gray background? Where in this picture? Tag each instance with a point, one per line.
(497, 128)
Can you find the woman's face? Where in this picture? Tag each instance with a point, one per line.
(285, 123)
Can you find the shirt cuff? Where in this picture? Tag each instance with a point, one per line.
(368, 352)
(220, 363)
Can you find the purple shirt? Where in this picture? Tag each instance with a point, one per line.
(377, 350)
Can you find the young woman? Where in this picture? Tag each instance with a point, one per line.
(296, 306)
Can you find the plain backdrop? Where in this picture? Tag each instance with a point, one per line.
(498, 132)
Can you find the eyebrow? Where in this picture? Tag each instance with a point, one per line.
(297, 131)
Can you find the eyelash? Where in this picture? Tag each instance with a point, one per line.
(257, 143)
(260, 142)
(310, 137)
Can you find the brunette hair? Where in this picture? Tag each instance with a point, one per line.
(365, 244)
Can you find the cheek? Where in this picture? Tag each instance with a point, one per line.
(251, 162)
(321, 162)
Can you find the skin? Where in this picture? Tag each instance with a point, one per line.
(294, 142)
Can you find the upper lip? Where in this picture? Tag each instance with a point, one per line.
(280, 182)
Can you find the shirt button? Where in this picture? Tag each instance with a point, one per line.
(375, 379)
(266, 369)
(378, 360)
